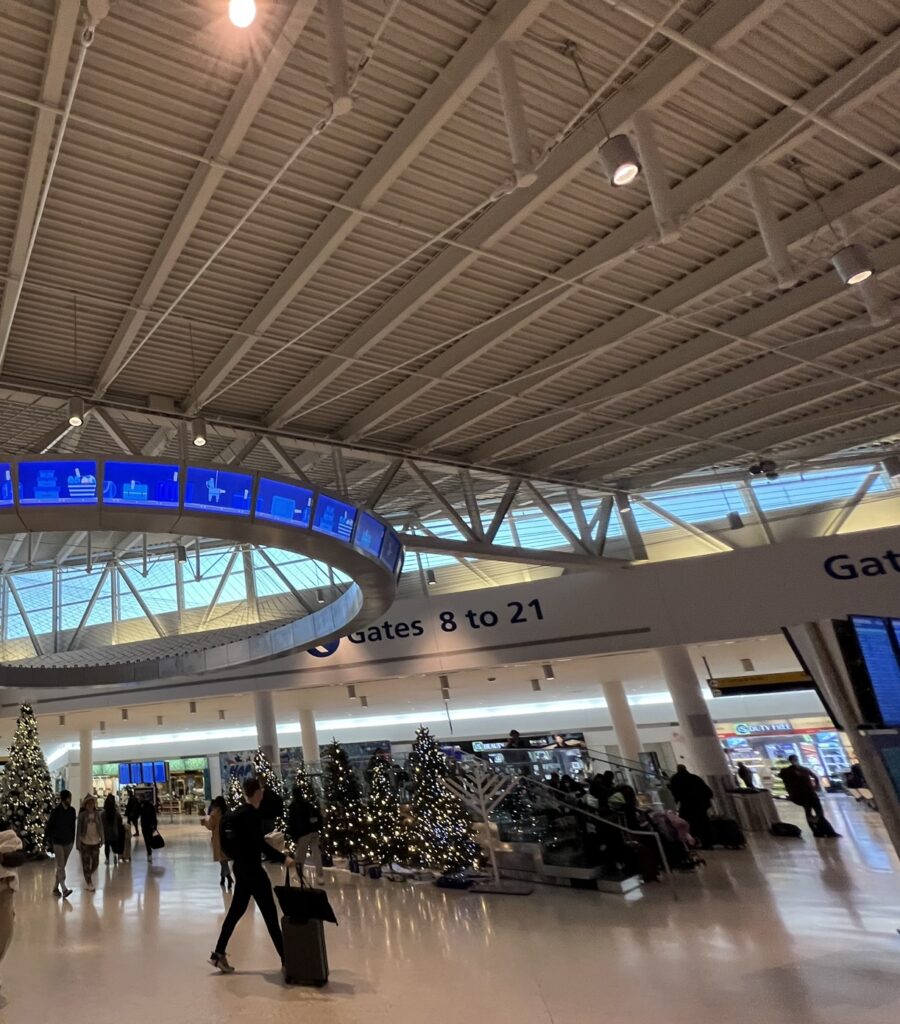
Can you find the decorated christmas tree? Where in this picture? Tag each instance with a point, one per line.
(440, 836)
(235, 795)
(267, 775)
(383, 814)
(344, 832)
(26, 793)
(303, 781)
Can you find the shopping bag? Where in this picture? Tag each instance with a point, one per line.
(302, 902)
(156, 841)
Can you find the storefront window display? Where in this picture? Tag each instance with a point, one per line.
(540, 756)
(766, 746)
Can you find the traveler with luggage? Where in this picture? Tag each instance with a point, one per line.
(217, 811)
(149, 824)
(802, 787)
(694, 800)
(113, 829)
(133, 812)
(303, 826)
(244, 842)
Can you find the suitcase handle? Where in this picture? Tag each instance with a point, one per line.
(287, 876)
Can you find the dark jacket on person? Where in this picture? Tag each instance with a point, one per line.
(133, 808)
(148, 817)
(246, 844)
(304, 817)
(690, 790)
(799, 782)
(60, 829)
(271, 809)
(746, 776)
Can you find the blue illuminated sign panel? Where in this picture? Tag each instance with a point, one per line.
(217, 490)
(135, 483)
(6, 487)
(882, 664)
(369, 534)
(58, 483)
(334, 517)
(390, 552)
(283, 503)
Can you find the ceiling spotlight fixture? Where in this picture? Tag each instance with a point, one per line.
(62, 719)
(351, 693)
(852, 264)
(549, 674)
(892, 466)
(430, 577)
(766, 468)
(221, 714)
(75, 411)
(102, 726)
(124, 714)
(241, 13)
(320, 596)
(192, 707)
(198, 432)
(181, 552)
(445, 693)
(735, 522)
(619, 160)
(444, 681)
(363, 702)
(536, 685)
(159, 719)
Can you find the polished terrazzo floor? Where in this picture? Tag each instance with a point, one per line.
(789, 931)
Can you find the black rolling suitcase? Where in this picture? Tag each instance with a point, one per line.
(728, 833)
(305, 956)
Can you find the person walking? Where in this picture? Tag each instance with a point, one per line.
(12, 856)
(745, 774)
(303, 826)
(245, 841)
(694, 800)
(149, 823)
(133, 811)
(113, 827)
(89, 838)
(802, 787)
(217, 811)
(59, 836)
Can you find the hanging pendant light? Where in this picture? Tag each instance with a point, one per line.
(852, 264)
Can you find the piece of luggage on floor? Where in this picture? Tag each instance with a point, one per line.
(644, 859)
(305, 955)
(785, 830)
(728, 833)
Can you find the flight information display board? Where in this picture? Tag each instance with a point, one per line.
(390, 551)
(218, 490)
(67, 482)
(334, 517)
(283, 503)
(6, 486)
(144, 484)
(880, 656)
(369, 534)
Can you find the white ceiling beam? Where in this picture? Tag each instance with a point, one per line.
(116, 430)
(712, 179)
(449, 91)
(254, 87)
(503, 553)
(719, 544)
(662, 78)
(59, 48)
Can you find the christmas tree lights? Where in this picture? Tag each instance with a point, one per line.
(235, 795)
(383, 814)
(267, 775)
(440, 836)
(303, 781)
(26, 793)
(344, 832)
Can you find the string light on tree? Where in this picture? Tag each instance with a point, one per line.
(263, 770)
(440, 836)
(344, 832)
(235, 794)
(26, 793)
(383, 814)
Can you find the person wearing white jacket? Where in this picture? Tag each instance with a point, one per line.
(10, 857)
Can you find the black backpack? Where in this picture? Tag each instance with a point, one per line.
(230, 833)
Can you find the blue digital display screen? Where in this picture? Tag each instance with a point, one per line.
(58, 483)
(283, 503)
(6, 487)
(369, 534)
(390, 552)
(882, 664)
(124, 775)
(334, 517)
(135, 774)
(217, 490)
(135, 483)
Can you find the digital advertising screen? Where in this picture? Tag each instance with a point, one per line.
(68, 482)
(144, 484)
(369, 534)
(879, 653)
(390, 551)
(218, 490)
(283, 503)
(334, 517)
(6, 486)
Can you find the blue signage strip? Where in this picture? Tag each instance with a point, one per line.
(880, 655)
(145, 484)
(334, 517)
(369, 534)
(218, 490)
(68, 482)
(6, 485)
(390, 551)
(283, 503)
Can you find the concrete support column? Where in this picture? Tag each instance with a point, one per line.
(622, 719)
(309, 737)
(85, 765)
(266, 732)
(705, 754)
